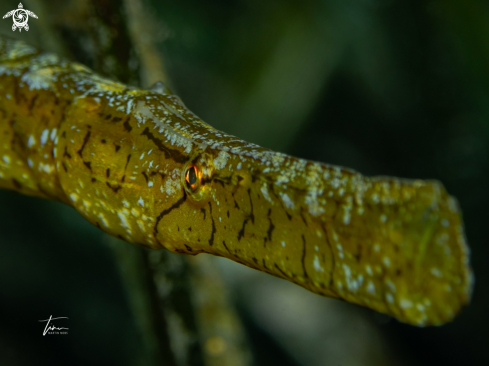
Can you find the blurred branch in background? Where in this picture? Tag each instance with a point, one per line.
(220, 328)
(149, 316)
(146, 32)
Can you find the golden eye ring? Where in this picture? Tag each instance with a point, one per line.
(193, 176)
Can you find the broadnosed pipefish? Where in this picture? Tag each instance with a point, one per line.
(142, 167)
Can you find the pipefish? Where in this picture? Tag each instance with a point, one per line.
(142, 167)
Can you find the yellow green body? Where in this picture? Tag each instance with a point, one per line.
(119, 155)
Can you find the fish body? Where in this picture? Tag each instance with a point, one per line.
(142, 167)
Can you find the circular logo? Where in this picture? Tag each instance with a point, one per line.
(20, 18)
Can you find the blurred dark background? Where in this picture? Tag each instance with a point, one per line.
(384, 87)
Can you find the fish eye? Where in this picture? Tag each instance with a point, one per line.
(192, 177)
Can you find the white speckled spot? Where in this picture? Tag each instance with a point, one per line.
(40, 79)
(103, 219)
(44, 136)
(386, 261)
(141, 225)
(317, 265)
(389, 297)
(141, 202)
(283, 244)
(74, 197)
(47, 168)
(371, 287)
(264, 191)
(169, 189)
(436, 272)
(221, 160)
(52, 136)
(368, 268)
(31, 141)
(6, 159)
(405, 304)
(124, 221)
(352, 284)
(287, 201)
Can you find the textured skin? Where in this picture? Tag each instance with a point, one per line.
(119, 156)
